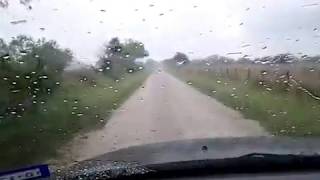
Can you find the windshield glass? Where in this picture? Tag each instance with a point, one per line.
(81, 78)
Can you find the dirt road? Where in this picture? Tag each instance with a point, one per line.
(164, 109)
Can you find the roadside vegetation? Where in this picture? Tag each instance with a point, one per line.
(43, 105)
(281, 92)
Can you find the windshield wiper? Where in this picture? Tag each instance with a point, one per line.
(250, 163)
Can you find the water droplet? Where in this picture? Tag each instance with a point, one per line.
(18, 22)
(310, 5)
(23, 52)
(204, 148)
(233, 53)
(84, 137)
(5, 57)
(189, 82)
(15, 91)
(43, 77)
(13, 112)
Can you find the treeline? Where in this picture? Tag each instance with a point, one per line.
(29, 70)
(45, 98)
(284, 72)
(285, 58)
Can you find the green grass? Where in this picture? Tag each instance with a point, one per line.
(280, 113)
(75, 107)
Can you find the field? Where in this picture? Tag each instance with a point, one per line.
(79, 105)
(282, 97)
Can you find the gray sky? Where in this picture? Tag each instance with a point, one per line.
(198, 28)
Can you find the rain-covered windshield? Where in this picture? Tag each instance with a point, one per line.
(81, 78)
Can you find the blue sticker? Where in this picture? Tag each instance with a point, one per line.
(34, 172)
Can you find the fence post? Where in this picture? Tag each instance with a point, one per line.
(236, 74)
(288, 76)
(248, 74)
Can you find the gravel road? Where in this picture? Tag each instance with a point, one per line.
(164, 109)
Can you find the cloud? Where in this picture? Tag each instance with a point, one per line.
(202, 27)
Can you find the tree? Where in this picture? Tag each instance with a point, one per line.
(5, 3)
(118, 58)
(20, 45)
(35, 67)
(177, 60)
(181, 58)
(3, 48)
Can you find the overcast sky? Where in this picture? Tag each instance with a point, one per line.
(198, 28)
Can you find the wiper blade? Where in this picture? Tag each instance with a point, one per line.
(250, 163)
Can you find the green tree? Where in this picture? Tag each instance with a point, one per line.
(181, 58)
(118, 58)
(29, 70)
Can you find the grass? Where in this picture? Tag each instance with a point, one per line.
(75, 107)
(279, 112)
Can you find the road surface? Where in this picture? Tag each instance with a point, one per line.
(163, 109)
